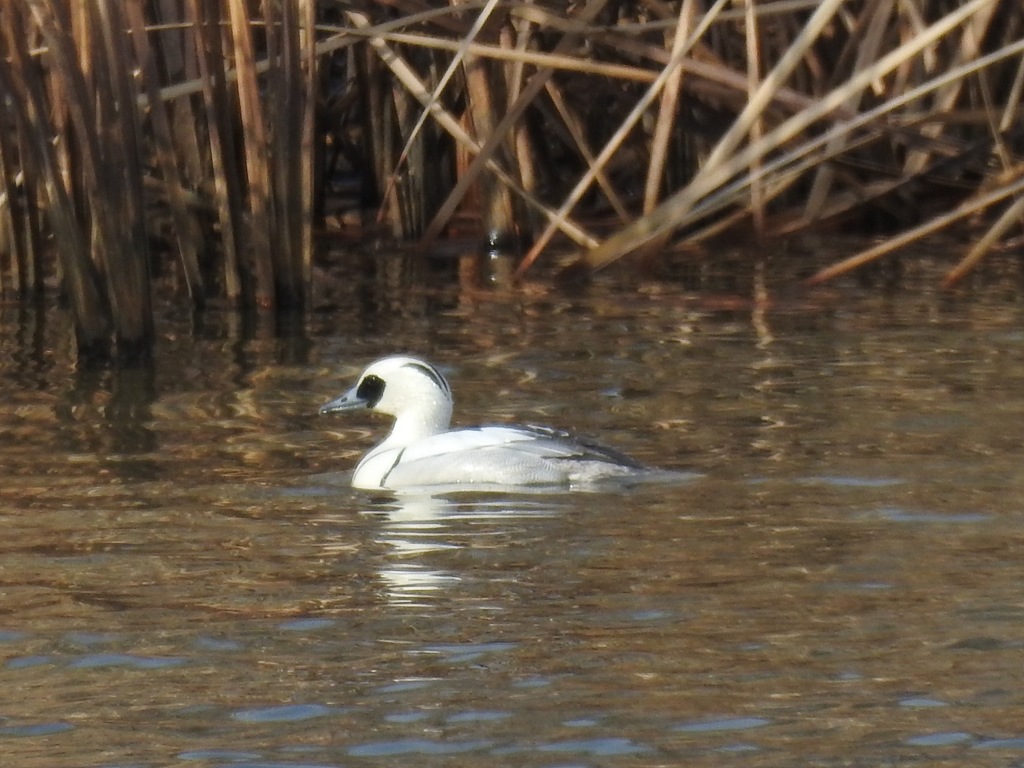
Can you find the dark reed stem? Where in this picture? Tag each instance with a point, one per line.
(205, 21)
(23, 89)
(185, 228)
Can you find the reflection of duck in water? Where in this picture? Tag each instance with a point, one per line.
(421, 451)
(426, 536)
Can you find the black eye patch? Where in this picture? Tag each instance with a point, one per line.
(370, 389)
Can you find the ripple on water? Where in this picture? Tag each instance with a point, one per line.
(464, 652)
(307, 624)
(234, 757)
(851, 481)
(27, 662)
(825, 546)
(943, 739)
(14, 729)
(401, 686)
(899, 515)
(102, 660)
(405, 717)
(287, 713)
(922, 702)
(1015, 743)
(391, 748)
(723, 724)
(599, 747)
(478, 717)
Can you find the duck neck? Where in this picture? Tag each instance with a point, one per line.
(419, 423)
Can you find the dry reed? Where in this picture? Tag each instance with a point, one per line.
(196, 142)
(128, 130)
(743, 117)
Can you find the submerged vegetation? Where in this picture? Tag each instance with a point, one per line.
(210, 144)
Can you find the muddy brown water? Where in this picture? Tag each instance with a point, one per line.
(185, 578)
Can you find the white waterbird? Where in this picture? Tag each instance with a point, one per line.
(422, 451)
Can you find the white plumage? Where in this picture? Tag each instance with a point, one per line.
(421, 452)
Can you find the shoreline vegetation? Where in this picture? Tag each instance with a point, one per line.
(209, 150)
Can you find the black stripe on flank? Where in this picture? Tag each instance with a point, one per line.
(398, 458)
(432, 373)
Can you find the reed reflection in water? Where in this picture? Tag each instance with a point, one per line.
(187, 578)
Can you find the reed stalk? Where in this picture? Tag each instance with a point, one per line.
(218, 151)
(185, 227)
(122, 161)
(185, 147)
(410, 80)
(24, 89)
(498, 134)
(729, 159)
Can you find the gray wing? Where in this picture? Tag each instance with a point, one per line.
(560, 444)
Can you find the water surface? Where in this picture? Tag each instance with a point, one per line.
(187, 580)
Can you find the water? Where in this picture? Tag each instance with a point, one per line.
(187, 580)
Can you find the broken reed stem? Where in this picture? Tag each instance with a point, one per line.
(728, 160)
(972, 206)
(410, 80)
(485, 155)
(576, 129)
(435, 96)
(867, 41)
(614, 143)
(1010, 217)
(788, 167)
(665, 124)
(757, 125)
